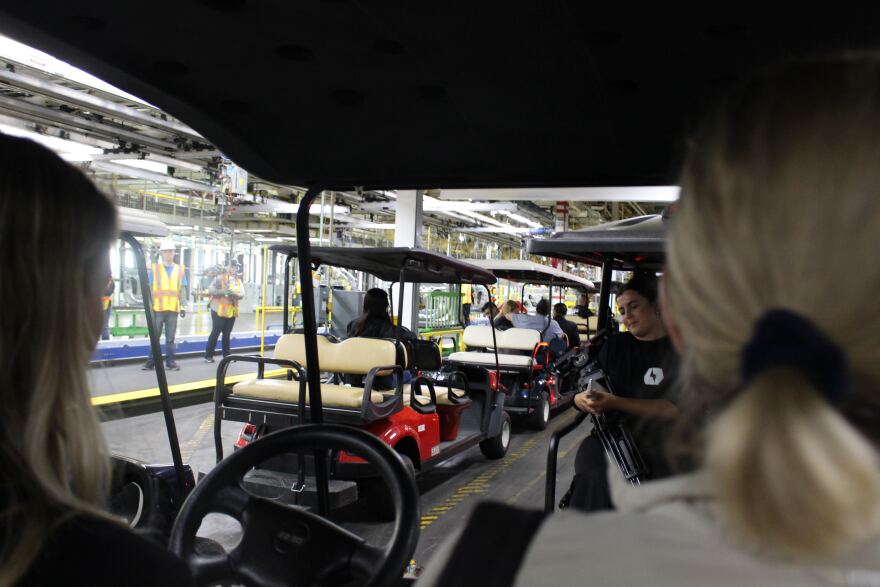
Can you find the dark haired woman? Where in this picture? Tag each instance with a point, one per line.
(641, 364)
(375, 322)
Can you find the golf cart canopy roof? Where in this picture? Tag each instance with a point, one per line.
(385, 263)
(534, 273)
(638, 242)
(404, 94)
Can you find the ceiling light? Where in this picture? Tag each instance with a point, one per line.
(144, 164)
(15, 51)
(60, 146)
(524, 220)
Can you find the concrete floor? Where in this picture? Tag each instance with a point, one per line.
(449, 492)
(119, 378)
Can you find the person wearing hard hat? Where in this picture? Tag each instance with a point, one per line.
(226, 290)
(167, 280)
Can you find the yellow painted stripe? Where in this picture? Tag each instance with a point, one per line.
(127, 396)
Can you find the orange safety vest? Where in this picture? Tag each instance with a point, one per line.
(166, 290)
(106, 301)
(227, 307)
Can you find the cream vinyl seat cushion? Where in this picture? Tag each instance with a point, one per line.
(338, 396)
(582, 323)
(517, 339)
(475, 358)
(356, 356)
(424, 398)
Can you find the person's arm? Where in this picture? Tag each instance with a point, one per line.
(184, 285)
(214, 288)
(236, 289)
(600, 401)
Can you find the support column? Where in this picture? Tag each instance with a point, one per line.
(408, 233)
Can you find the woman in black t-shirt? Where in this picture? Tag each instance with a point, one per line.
(375, 322)
(640, 364)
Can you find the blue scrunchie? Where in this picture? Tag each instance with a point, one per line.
(786, 338)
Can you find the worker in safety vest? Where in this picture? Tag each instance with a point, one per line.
(167, 280)
(105, 300)
(226, 291)
(467, 298)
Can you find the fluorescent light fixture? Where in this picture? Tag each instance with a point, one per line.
(61, 146)
(256, 230)
(660, 193)
(181, 228)
(21, 53)
(374, 225)
(525, 220)
(144, 164)
(485, 219)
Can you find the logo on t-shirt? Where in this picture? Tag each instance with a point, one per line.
(654, 376)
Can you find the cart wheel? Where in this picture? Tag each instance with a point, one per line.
(496, 447)
(539, 418)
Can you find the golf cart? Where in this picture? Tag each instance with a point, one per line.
(440, 413)
(535, 387)
(636, 244)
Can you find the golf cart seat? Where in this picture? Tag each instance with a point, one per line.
(341, 396)
(516, 339)
(368, 357)
(446, 396)
(583, 324)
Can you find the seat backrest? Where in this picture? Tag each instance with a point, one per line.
(520, 339)
(576, 319)
(356, 356)
(424, 355)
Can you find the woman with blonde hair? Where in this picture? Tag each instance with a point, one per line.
(56, 229)
(779, 192)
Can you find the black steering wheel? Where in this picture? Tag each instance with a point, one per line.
(286, 545)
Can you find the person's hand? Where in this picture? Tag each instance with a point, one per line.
(182, 313)
(596, 401)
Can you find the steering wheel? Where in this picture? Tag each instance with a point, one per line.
(286, 545)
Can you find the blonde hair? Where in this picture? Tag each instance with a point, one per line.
(774, 186)
(55, 231)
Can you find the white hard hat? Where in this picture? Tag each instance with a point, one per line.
(167, 245)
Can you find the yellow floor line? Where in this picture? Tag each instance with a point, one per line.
(127, 396)
(192, 445)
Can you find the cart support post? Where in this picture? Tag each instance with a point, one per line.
(605, 294)
(310, 329)
(161, 378)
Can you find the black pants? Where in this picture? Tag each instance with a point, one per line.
(168, 322)
(589, 488)
(219, 325)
